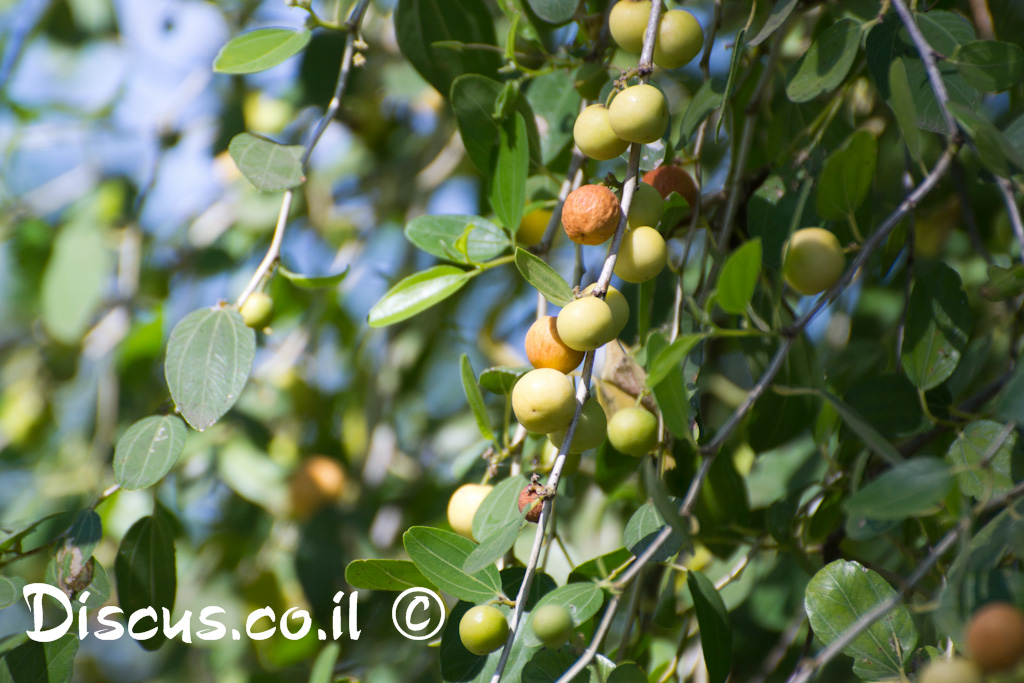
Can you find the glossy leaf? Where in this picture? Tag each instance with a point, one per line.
(600, 567)
(847, 177)
(440, 556)
(554, 11)
(715, 627)
(708, 98)
(148, 451)
(826, 63)
(474, 99)
(417, 293)
(385, 575)
(642, 529)
(990, 65)
(670, 393)
(312, 281)
(543, 277)
(86, 532)
(986, 457)
(500, 508)
(554, 99)
(838, 596)
(628, 672)
(40, 662)
(911, 488)
(780, 12)
(506, 184)
(669, 358)
(145, 570)
(267, 165)
(739, 276)
(209, 357)
(439, 234)
(581, 600)
(938, 327)
(994, 149)
(259, 50)
(500, 380)
(475, 399)
(902, 103)
(493, 547)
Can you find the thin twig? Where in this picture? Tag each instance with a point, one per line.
(1012, 210)
(928, 57)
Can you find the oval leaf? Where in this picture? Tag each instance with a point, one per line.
(984, 441)
(417, 293)
(911, 488)
(10, 590)
(266, 164)
(385, 575)
(312, 281)
(145, 570)
(259, 50)
(715, 628)
(826, 62)
(847, 176)
(641, 530)
(543, 277)
(990, 65)
(554, 11)
(501, 379)
(739, 277)
(506, 179)
(74, 281)
(148, 450)
(938, 326)
(494, 546)
(43, 662)
(209, 357)
(500, 508)
(474, 101)
(475, 399)
(440, 235)
(440, 555)
(555, 100)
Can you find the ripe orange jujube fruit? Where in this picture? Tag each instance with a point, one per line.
(545, 348)
(527, 496)
(590, 214)
(669, 178)
(995, 636)
(316, 484)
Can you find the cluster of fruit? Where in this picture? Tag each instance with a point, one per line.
(995, 640)
(483, 629)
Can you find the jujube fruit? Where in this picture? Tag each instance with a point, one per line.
(955, 670)
(642, 255)
(543, 400)
(545, 348)
(627, 23)
(258, 310)
(995, 636)
(647, 206)
(633, 431)
(812, 261)
(483, 629)
(590, 214)
(680, 38)
(586, 324)
(617, 302)
(639, 114)
(462, 507)
(552, 624)
(590, 430)
(532, 227)
(315, 484)
(594, 135)
(669, 178)
(527, 497)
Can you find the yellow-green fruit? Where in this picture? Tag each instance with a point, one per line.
(680, 38)
(618, 304)
(532, 227)
(586, 324)
(463, 505)
(544, 462)
(594, 135)
(956, 670)
(483, 629)
(642, 256)
(647, 206)
(639, 114)
(628, 22)
(590, 430)
(543, 400)
(258, 310)
(633, 431)
(813, 261)
(552, 624)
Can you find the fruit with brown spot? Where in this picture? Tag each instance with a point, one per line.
(590, 214)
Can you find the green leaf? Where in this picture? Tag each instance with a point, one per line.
(826, 63)
(554, 11)
(259, 50)
(666, 507)
(937, 329)
(910, 489)
(581, 600)
(779, 416)
(475, 399)
(668, 359)
(417, 293)
(739, 276)
(494, 546)
(323, 666)
(1003, 283)
(10, 590)
(990, 65)
(734, 68)
(209, 357)
(267, 165)
(75, 280)
(864, 430)
(86, 532)
(994, 149)
(506, 184)
(628, 672)
(983, 441)
(543, 277)
(500, 508)
(554, 99)
(148, 451)
(708, 98)
(889, 403)
(642, 529)
(1010, 406)
(145, 570)
(847, 176)
(473, 100)
(14, 538)
(780, 12)
(438, 235)
(501, 379)
(440, 556)
(512, 581)
(838, 596)
(715, 628)
(40, 662)
(312, 281)
(902, 103)
(548, 666)
(421, 24)
(385, 575)
(670, 393)
(600, 567)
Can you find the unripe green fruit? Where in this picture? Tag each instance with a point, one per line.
(639, 114)
(552, 624)
(258, 310)
(628, 22)
(647, 206)
(483, 629)
(618, 304)
(956, 670)
(633, 431)
(544, 462)
(680, 38)
(463, 505)
(543, 400)
(586, 324)
(590, 430)
(594, 135)
(812, 261)
(642, 256)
